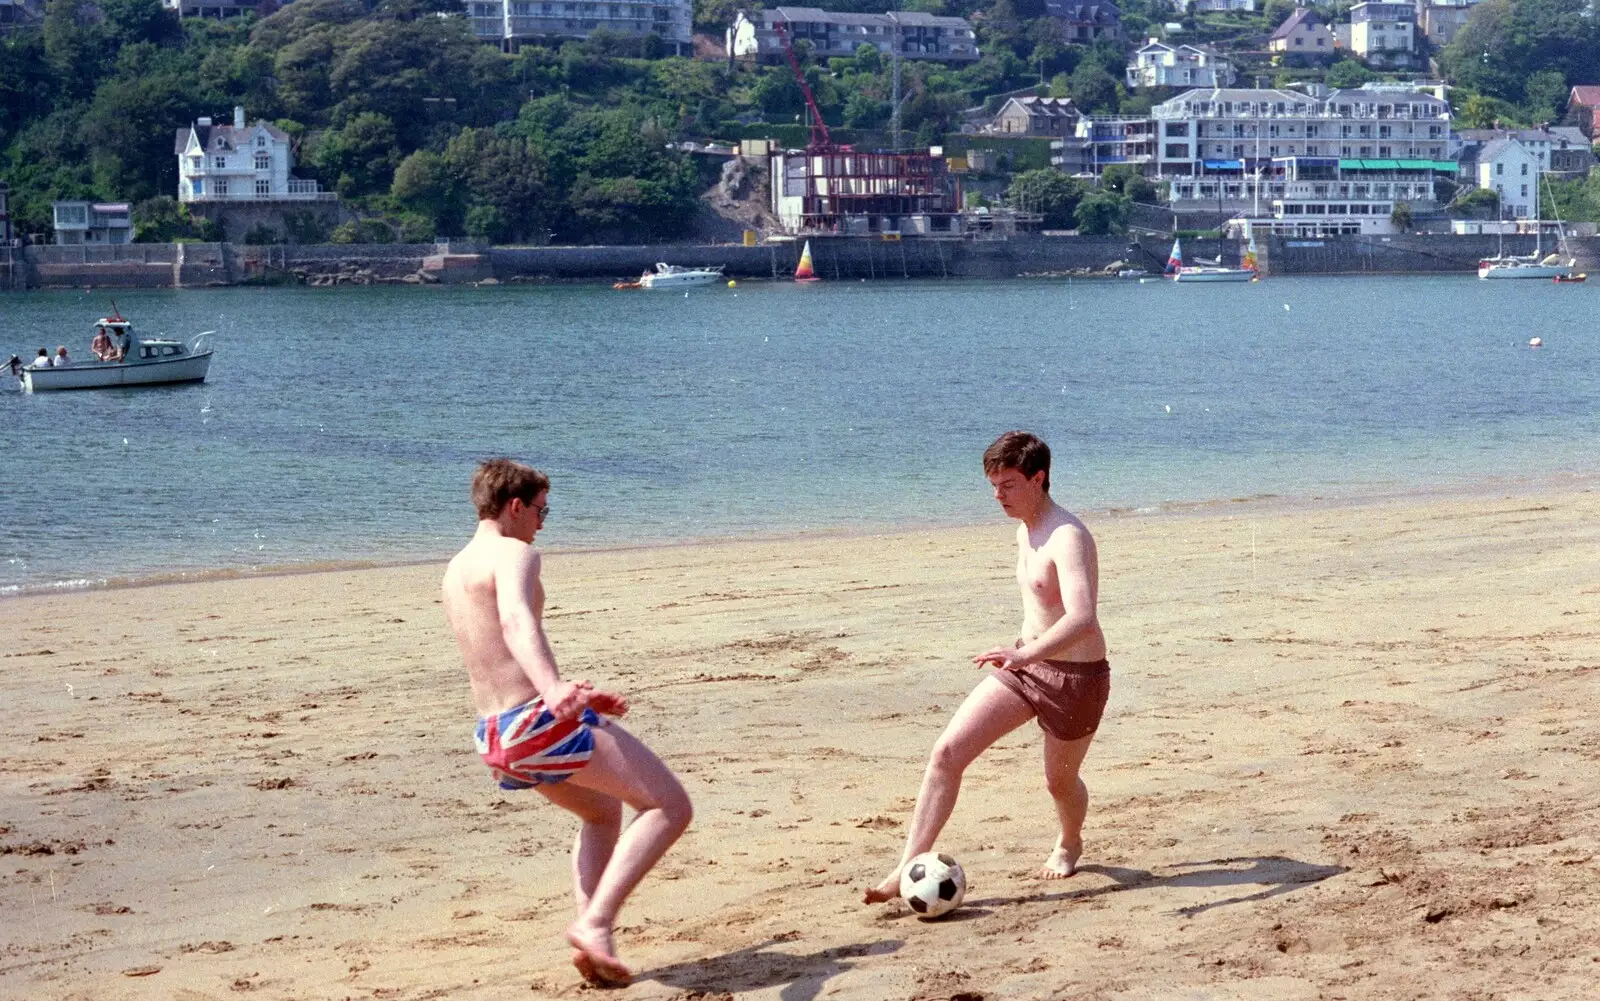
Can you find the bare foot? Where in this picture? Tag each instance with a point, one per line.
(884, 891)
(580, 959)
(595, 956)
(1063, 862)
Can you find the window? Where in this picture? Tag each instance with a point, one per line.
(1524, 191)
(263, 161)
(1499, 168)
(198, 186)
(222, 186)
(263, 188)
(1175, 129)
(261, 142)
(1524, 170)
(1177, 151)
(197, 163)
(222, 162)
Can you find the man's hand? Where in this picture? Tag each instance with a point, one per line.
(567, 698)
(1006, 658)
(608, 704)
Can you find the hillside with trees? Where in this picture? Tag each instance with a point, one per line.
(428, 132)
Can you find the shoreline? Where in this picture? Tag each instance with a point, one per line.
(1258, 504)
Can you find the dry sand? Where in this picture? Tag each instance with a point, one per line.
(1350, 753)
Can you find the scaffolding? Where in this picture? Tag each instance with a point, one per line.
(844, 190)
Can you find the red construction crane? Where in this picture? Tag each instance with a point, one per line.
(821, 141)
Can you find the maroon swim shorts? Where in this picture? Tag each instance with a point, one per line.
(1068, 697)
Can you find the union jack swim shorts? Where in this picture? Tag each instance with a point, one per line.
(527, 746)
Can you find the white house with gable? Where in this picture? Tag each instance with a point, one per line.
(1510, 169)
(239, 163)
(1157, 64)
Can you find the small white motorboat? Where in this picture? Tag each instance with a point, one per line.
(676, 276)
(1133, 273)
(146, 361)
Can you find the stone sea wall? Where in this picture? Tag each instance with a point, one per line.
(194, 265)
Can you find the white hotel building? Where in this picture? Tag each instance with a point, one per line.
(1342, 159)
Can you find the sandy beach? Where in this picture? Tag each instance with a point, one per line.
(1350, 754)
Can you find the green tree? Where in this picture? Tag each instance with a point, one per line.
(1479, 203)
(1125, 179)
(1400, 216)
(1545, 94)
(1094, 90)
(1046, 191)
(1102, 213)
(425, 186)
(360, 158)
(1347, 72)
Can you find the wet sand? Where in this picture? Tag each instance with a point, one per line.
(1350, 753)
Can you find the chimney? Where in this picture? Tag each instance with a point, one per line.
(238, 117)
(204, 123)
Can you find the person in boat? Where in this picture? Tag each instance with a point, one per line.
(41, 360)
(15, 364)
(540, 731)
(61, 358)
(101, 345)
(119, 350)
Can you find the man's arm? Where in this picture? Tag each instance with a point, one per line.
(518, 591)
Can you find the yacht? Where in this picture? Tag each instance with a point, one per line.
(675, 276)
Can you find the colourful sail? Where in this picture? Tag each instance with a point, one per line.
(1250, 256)
(804, 272)
(1175, 259)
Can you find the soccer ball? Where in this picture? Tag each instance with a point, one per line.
(933, 884)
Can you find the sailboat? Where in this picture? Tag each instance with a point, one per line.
(804, 272)
(1535, 265)
(1181, 272)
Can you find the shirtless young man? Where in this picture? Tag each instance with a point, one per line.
(539, 731)
(1055, 672)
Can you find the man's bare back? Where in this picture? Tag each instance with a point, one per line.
(472, 586)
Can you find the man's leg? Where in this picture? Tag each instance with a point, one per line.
(1062, 759)
(624, 769)
(597, 838)
(989, 713)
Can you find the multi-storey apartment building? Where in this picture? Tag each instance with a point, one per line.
(1384, 34)
(212, 8)
(916, 35)
(1157, 64)
(509, 22)
(1244, 149)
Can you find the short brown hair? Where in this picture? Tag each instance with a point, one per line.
(1019, 450)
(497, 481)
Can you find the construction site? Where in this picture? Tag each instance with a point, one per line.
(833, 189)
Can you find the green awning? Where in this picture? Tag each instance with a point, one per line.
(1380, 164)
(1416, 164)
(1448, 166)
(1349, 164)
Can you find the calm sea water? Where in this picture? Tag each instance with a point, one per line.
(344, 424)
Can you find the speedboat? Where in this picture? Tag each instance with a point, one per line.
(1133, 273)
(147, 361)
(676, 276)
